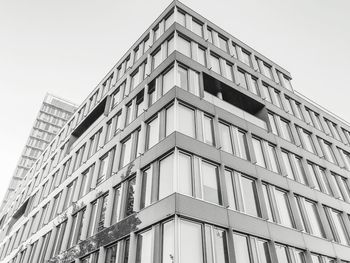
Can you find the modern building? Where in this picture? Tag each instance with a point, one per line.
(193, 148)
(53, 114)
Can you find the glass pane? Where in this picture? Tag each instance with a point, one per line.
(184, 174)
(210, 183)
(242, 254)
(314, 219)
(283, 208)
(190, 242)
(182, 79)
(263, 251)
(273, 158)
(146, 188)
(166, 176)
(250, 198)
(215, 64)
(184, 46)
(208, 130)
(153, 133)
(130, 197)
(281, 252)
(186, 120)
(144, 247)
(126, 153)
(260, 160)
(230, 189)
(168, 80)
(226, 144)
(197, 28)
(220, 246)
(243, 147)
(339, 227)
(267, 202)
(169, 120)
(201, 56)
(168, 242)
(288, 165)
(242, 80)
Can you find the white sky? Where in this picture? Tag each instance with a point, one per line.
(65, 47)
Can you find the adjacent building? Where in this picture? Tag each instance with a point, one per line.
(193, 148)
(53, 114)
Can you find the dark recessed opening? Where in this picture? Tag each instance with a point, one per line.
(234, 97)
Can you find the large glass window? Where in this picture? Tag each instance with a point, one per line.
(197, 28)
(190, 241)
(288, 165)
(271, 151)
(186, 124)
(168, 244)
(250, 197)
(307, 141)
(144, 247)
(337, 225)
(103, 170)
(259, 155)
(313, 218)
(146, 193)
(184, 174)
(226, 141)
(283, 208)
(152, 133)
(117, 198)
(182, 79)
(166, 170)
(215, 64)
(126, 152)
(242, 81)
(169, 120)
(242, 253)
(168, 80)
(282, 254)
(208, 130)
(130, 198)
(184, 46)
(210, 183)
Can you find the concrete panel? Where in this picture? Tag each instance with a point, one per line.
(285, 235)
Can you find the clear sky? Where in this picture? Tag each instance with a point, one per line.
(65, 47)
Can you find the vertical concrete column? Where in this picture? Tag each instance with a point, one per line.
(138, 190)
(215, 38)
(194, 50)
(251, 153)
(205, 31)
(116, 159)
(161, 27)
(223, 186)
(188, 21)
(235, 74)
(295, 211)
(318, 146)
(232, 49)
(239, 53)
(262, 201)
(75, 194)
(146, 98)
(86, 222)
(95, 174)
(102, 137)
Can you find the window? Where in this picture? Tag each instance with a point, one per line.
(104, 168)
(184, 46)
(201, 56)
(182, 79)
(146, 193)
(259, 155)
(117, 201)
(60, 231)
(92, 258)
(242, 81)
(208, 132)
(282, 254)
(215, 63)
(145, 247)
(328, 152)
(229, 71)
(84, 181)
(186, 124)
(266, 91)
(77, 225)
(283, 208)
(226, 140)
(168, 242)
(180, 18)
(152, 96)
(168, 80)
(117, 95)
(184, 174)
(69, 194)
(310, 217)
(337, 225)
(126, 152)
(170, 46)
(243, 146)
(169, 20)
(129, 114)
(130, 200)
(272, 123)
(166, 170)
(93, 143)
(286, 132)
(267, 71)
(250, 196)
(223, 43)
(210, 181)
(97, 216)
(197, 27)
(56, 201)
(157, 58)
(152, 132)
(190, 241)
(271, 151)
(242, 253)
(169, 120)
(288, 165)
(246, 58)
(307, 140)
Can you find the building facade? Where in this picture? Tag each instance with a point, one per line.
(193, 148)
(53, 114)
